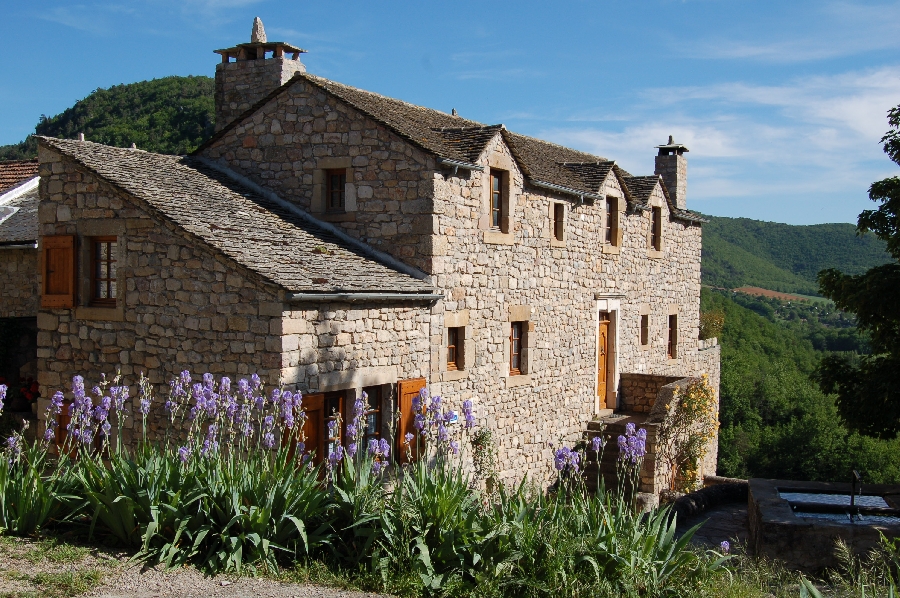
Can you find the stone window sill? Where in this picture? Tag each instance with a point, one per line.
(611, 249)
(645, 347)
(675, 361)
(520, 380)
(454, 375)
(554, 242)
(654, 255)
(495, 237)
(108, 314)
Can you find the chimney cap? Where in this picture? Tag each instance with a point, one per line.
(672, 148)
(258, 34)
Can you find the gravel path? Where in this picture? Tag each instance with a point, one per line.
(48, 569)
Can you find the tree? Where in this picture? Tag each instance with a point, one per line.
(868, 387)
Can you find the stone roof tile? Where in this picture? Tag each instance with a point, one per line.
(259, 233)
(19, 219)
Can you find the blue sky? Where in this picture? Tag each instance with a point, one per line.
(782, 104)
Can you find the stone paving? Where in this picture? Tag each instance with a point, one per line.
(725, 522)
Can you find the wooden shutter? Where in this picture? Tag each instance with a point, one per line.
(314, 428)
(58, 270)
(407, 390)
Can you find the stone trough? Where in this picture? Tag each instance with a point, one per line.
(799, 522)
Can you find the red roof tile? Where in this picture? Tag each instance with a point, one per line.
(15, 172)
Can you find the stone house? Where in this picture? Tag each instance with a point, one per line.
(335, 240)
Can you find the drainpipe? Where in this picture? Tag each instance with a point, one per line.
(568, 191)
(19, 246)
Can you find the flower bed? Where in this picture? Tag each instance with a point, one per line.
(230, 486)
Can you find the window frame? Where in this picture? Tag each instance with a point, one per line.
(517, 338)
(611, 224)
(672, 344)
(455, 348)
(656, 228)
(374, 407)
(498, 199)
(559, 221)
(331, 191)
(110, 282)
(644, 330)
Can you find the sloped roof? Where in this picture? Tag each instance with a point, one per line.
(15, 172)
(18, 216)
(462, 140)
(283, 246)
(642, 187)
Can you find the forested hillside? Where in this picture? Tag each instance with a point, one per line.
(775, 422)
(782, 257)
(172, 115)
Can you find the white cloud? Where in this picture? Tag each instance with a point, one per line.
(809, 146)
(836, 29)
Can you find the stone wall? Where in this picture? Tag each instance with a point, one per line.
(241, 84)
(339, 346)
(400, 202)
(180, 304)
(289, 142)
(19, 284)
(638, 392)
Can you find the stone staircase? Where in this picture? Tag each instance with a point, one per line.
(610, 426)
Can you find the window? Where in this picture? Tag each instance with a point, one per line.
(645, 329)
(335, 189)
(454, 348)
(58, 269)
(672, 350)
(103, 271)
(373, 412)
(499, 207)
(334, 413)
(611, 230)
(656, 229)
(559, 221)
(516, 340)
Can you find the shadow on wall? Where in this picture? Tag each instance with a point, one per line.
(18, 361)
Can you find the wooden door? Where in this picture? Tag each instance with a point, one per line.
(602, 358)
(407, 390)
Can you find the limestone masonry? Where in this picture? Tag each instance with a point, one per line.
(335, 240)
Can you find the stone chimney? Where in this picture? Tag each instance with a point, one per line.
(250, 71)
(671, 165)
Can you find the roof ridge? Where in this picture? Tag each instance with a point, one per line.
(317, 79)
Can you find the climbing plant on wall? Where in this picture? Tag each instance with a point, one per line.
(685, 435)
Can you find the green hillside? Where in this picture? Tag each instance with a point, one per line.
(172, 115)
(775, 421)
(782, 257)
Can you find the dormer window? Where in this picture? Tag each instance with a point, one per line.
(611, 226)
(499, 200)
(335, 185)
(656, 229)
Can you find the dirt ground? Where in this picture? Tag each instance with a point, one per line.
(767, 293)
(49, 569)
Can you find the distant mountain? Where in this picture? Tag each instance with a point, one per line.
(172, 115)
(782, 257)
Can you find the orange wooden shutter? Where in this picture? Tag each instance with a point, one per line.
(58, 269)
(407, 390)
(314, 428)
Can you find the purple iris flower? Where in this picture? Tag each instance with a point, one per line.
(597, 444)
